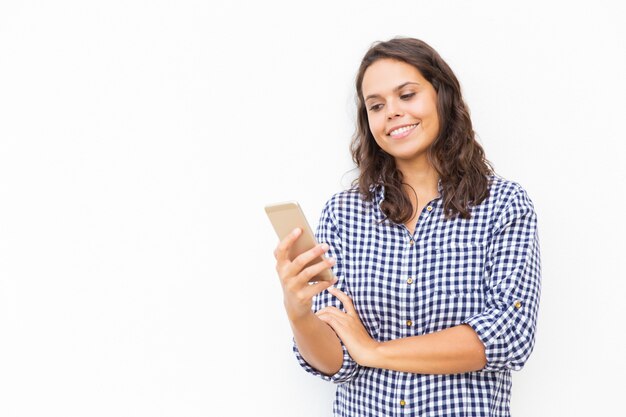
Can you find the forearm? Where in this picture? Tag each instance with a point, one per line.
(451, 351)
(318, 344)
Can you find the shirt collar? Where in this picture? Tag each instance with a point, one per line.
(379, 197)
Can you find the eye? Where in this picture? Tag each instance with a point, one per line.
(376, 107)
(407, 96)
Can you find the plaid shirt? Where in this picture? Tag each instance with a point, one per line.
(483, 271)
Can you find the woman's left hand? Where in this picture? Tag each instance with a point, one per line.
(349, 328)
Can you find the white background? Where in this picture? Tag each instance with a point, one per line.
(140, 140)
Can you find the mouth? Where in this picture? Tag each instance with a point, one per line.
(402, 131)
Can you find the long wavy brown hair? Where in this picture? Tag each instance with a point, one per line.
(455, 154)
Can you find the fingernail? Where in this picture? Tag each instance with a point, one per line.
(324, 247)
(332, 261)
(296, 231)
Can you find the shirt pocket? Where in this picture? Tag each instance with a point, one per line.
(459, 267)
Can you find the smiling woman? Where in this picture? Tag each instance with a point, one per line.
(455, 155)
(406, 110)
(403, 119)
(436, 258)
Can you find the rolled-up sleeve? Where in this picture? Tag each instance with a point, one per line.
(328, 232)
(513, 285)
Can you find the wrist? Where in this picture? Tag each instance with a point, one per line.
(374, 357)
(298, 317)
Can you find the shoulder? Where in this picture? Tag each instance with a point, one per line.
(346, 201)
(503, 192)
(349, 206)
(507, 199)
(501, 188)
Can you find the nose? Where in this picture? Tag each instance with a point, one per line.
(393, 110)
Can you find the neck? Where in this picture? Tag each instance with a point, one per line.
(422, 177)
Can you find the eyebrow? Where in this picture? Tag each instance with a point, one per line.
(401, 86)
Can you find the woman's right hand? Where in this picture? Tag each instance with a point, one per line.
(294, 277)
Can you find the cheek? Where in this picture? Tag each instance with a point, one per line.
(432, 128)
(425, 108)
(376, 132)
(428, 112)
(375, 124)
(432, 120)
(431, 108)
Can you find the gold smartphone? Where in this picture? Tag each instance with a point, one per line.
(287, 216)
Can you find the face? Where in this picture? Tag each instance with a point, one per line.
(402, 110)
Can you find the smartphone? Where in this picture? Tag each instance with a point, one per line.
(287, 216)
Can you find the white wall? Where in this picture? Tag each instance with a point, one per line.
(140, 140)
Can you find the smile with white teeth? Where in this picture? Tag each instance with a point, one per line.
(402, 130)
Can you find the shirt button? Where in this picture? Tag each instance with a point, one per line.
(409, 323)
(429, 208)
(518, 305)
(411, 242)
(402, 403)
(409, 281)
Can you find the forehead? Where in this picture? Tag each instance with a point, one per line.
(386, 74)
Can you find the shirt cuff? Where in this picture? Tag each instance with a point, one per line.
(508, 336)
(348, 371)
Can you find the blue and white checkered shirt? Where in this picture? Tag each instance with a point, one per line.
(483, 271)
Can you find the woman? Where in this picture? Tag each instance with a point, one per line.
(436, 259)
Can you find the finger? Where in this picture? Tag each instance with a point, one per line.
(314, 289)
(335, 319)
(332, 312)
(306, 274)
(329, 318)
(328, 309)
(281, 253)
(326, 318)
(302, 260)
(345, 300)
